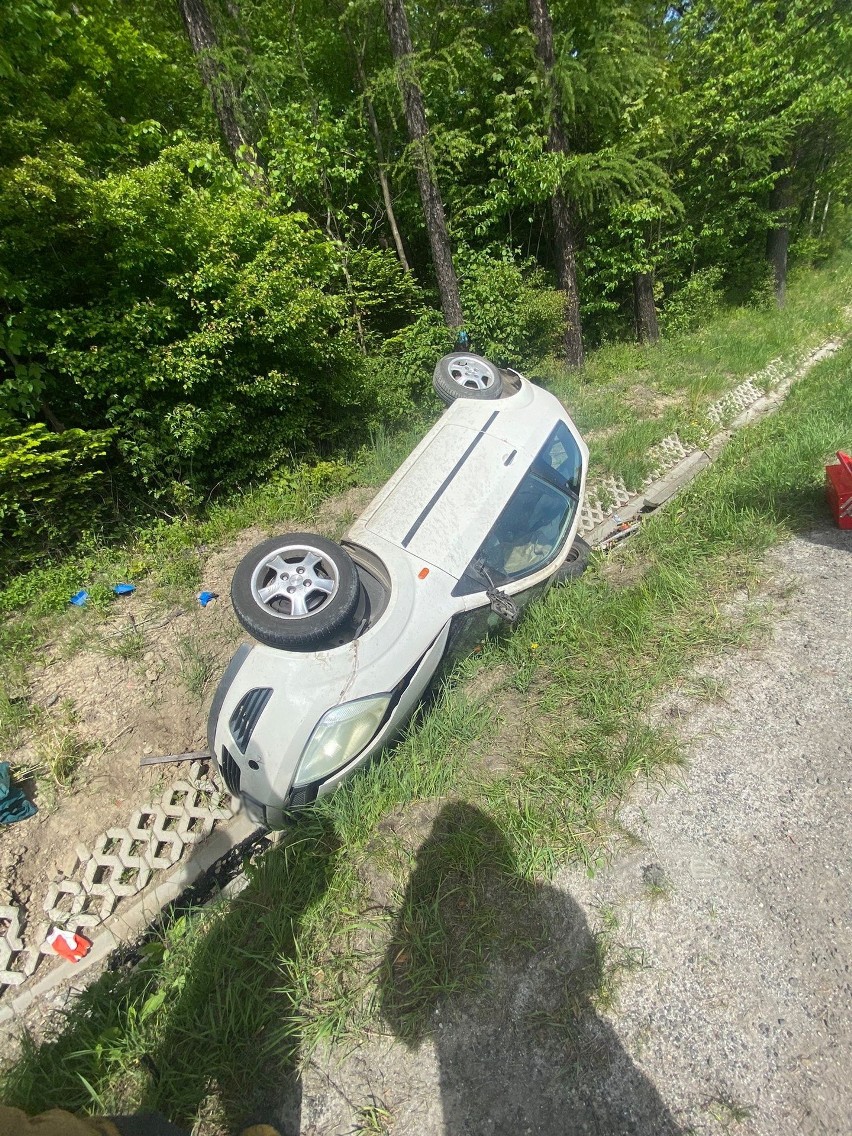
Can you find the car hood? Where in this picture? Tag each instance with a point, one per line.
(443, 523)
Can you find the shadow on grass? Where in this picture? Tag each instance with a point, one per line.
(508, 980)
(186, 1030)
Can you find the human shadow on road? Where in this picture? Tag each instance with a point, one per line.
(505, 976)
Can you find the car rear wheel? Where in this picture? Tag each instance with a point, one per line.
(462, 375)
(295, 592)
(577, 562)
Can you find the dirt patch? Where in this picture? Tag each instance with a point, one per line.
(108, 689)
(650, 403)
(338, 513)
(623, 571)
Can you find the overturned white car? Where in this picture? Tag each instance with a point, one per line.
(480, 519)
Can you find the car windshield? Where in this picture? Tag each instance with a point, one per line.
(532, 527)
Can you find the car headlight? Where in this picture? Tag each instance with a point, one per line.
(341, 733)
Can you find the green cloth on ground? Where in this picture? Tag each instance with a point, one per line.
(13, 804)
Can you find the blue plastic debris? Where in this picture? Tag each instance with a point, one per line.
(79, 598)
(204, 598)
(124, 589)
(14, 805)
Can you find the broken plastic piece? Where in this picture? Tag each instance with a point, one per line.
(79, 598)
(69, 945)
(204, 598)
(124, 589)
(14, 805)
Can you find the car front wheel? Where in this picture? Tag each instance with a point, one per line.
(462, 375)
(576, 563)
(295, 592)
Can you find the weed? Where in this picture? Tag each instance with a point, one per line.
(196, 666)
(59, 752)
(127, 643)
(707, 687)
(656, 883)
(17, 716)
(611, 959)
(374, 1118)
(728, 1111)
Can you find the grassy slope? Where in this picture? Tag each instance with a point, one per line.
(329, 932)
(627, 398)
(633, 394)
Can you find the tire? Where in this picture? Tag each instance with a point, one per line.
(577, 562)
(328, 590)
(462, 375)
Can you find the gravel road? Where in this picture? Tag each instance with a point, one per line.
(732, 889)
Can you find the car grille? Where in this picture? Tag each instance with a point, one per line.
(245, 716)
(230, 773)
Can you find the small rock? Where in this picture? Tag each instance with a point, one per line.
(54, 698)
(148, 749)
(654, 876)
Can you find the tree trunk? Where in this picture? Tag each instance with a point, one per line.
(226, 102)
(778, 235)
(380, 157)
(418, 132)
(647, 326)
(564, 233)
(825, 214)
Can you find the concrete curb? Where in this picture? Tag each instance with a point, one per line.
(661, 489)
(125, 927)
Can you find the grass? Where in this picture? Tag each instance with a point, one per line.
(59, 754)
(629, 397)
(374, 1118)
(426, 876)
(128, 643)
(197, 666)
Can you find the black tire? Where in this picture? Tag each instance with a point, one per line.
(462, 375)
(577, 562)
(322, 568)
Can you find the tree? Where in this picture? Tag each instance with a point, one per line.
(647, 325)
(381, 167)
(418, 131)
(770, 116)
(562, 211)
(223, 94)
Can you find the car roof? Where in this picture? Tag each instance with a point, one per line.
(443, 501)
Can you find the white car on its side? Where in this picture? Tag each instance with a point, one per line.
(480, 519)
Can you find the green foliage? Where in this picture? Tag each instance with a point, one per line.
(696, 302)
(225, 328)
(46, 483)
(513, 312)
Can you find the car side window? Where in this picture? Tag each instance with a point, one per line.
(532, 527)
(562, 454)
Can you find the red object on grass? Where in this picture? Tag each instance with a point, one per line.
(838, 489)
(68, 945)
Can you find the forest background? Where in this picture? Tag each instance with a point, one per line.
(238, 236)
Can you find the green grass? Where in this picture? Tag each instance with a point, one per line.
(409, 886)
(629, 397)
(196, 666)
